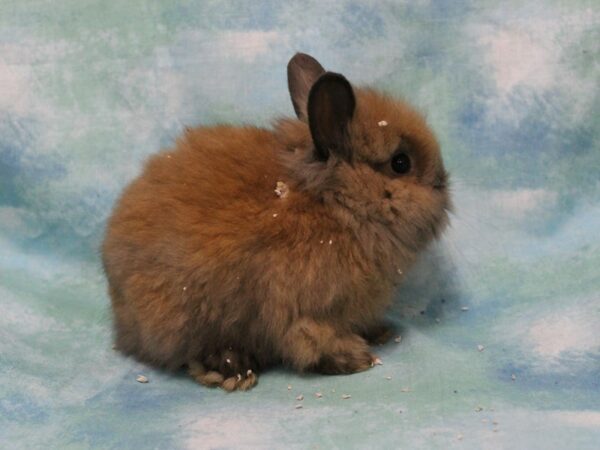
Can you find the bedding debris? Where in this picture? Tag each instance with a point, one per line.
(282, 189)
(141, 379)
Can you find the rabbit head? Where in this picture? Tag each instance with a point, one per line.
(371, 158)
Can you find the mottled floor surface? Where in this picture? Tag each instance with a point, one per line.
(499, 321)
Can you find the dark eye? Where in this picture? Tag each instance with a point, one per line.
(401, 163)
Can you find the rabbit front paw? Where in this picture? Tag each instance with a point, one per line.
(349, 360)
(317, 346)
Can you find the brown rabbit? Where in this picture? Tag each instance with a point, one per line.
(245, 247)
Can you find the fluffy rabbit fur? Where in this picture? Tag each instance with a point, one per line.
(210, 269)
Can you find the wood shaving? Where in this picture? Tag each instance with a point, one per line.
(289, 387)
(346, 396)
(377, 362)
(480, 348)
(300, 398)
(460, 437)
(185, 288)
(275, 215)
(298, 406)
(399, 271)
(382, 123)
(405, 390)
(388, 377)
(249, 372)
(398, 339)
(478, 409)
(141, 379)
(318, 395)
(239, 377)
(228, 361)
(330, 241)
(322, 242)
(282, 189)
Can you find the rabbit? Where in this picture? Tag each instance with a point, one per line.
(242, 248)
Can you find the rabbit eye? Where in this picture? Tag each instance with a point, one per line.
(401, 163)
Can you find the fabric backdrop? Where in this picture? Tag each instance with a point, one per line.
(89, 89)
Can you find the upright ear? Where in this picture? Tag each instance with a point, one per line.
(302, 71)
(331, 106)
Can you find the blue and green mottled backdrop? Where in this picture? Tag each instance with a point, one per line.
(89, 89)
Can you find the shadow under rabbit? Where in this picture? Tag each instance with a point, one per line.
(430, 291)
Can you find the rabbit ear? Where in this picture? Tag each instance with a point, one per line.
(302, 71)
(331, 106)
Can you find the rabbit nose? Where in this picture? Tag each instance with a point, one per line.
(441, 180)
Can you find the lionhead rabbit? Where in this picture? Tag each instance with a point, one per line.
(244, 247)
